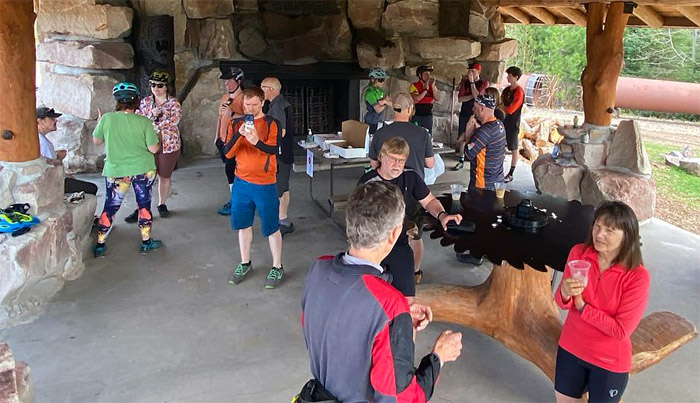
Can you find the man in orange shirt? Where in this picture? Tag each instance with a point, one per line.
(230, 107)
(252, 141)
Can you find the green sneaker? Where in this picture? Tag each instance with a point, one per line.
(240, 272)
(99, 250)
(150, 245)
(274, 277)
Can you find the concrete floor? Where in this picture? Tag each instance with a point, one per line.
(167, 327)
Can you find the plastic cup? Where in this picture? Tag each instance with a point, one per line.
(456, 191)
(579, 270)
(500, 189)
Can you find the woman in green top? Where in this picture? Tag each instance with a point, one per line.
(130, 142)
(376, 99)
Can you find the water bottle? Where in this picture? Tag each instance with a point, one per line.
(576, 122)
(309, 136)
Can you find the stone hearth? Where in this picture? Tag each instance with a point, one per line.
(38, 263)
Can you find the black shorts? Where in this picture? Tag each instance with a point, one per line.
(573, 377)
(284, 171)
(229, 164)
(400, 264)
(512, 140)
(463, 120)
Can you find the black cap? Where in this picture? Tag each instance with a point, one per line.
(45, 112)
(231, 72)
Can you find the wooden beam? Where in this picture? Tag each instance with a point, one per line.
(516, 13)
(541, 14)
(574, 15)
(649, 16)
(691, 12)
(574, 3)
(19, 141)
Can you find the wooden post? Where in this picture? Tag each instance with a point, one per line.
(604, 51)
(18, 132)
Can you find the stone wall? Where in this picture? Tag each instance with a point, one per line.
(37, 264)
(83, 51)
(15, 385)
(81, 55)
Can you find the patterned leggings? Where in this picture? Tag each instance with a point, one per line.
(116, 188)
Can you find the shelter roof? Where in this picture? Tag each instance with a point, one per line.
(648, 13)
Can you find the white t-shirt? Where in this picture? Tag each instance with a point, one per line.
(46, 147)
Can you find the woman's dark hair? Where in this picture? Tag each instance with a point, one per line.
(125, 104)
(514, 71)
(620, 216)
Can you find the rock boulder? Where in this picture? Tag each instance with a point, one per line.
(556, 179)
(589, 155)
(419, 18)
(87, 55)
(200, 114)
(499, 51)
(79, 19)
(627, 149)
(366, 13)
(391, 57)
(208, 8)
(455, 49)
(15, 384)
(636, 191)
(80, 96)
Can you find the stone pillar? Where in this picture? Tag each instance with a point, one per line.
(18, 138)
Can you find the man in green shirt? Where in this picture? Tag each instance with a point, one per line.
(130, 142)
(376, 99)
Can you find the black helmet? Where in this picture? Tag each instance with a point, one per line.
(422, 69)
(231, 72)
(160, 76)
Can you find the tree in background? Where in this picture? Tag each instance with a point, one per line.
(660, 54)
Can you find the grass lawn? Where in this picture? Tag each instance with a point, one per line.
(678, 192)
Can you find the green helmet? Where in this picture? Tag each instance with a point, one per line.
(125, 91)
(378, 73)
(160, 76)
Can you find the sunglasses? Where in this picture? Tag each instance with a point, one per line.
(157, 85)
(381, 80)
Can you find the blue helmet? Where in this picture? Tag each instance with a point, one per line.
(125, 91)
(378, 73)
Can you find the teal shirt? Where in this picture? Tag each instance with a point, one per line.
(126, 137)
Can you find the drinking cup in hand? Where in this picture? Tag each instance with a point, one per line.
(579, 270)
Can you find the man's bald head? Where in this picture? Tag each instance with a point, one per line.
(272, 87)
(403, 106)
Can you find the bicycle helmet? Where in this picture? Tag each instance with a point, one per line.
(422, 69)
(378, 73)
(125, 91)
(160, 76)
(232, 72)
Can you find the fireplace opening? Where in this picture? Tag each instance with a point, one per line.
(323, 95)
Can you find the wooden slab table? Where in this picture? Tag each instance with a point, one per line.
(515, 304)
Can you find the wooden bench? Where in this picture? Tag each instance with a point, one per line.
(657, 336)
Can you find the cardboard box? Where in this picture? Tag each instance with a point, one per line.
(355, 140)
(324, 141)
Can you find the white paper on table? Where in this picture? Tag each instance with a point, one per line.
(310, 163)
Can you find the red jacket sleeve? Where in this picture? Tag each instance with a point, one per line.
(518, 99)
(630, 311)
(574, 254)
(392, 373)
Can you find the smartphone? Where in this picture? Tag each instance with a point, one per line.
(249, 122)
(464, 226)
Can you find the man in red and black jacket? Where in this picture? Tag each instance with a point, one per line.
(359, 330)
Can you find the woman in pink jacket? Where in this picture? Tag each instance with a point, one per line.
(605, 307)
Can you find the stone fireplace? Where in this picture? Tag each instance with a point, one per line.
(320, 49)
